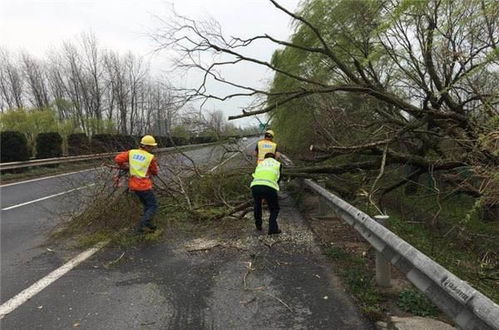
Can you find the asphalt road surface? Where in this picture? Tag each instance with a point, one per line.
(31, 209)
(221, 277)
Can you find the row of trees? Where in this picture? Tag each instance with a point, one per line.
(408, 86)
(89, 86)
(189, 125)
(84, 88)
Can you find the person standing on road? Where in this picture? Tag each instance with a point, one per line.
(141, 165)
(265, 185)
(266, 145)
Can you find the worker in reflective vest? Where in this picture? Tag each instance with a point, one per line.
(142, 164)
(265, 185)
(266, 145)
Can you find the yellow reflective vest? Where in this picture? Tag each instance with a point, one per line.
(267, 174)
(264, 147)
(139, 161)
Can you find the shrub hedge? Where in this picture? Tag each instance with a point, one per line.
(14, 147)
(100, 143)
(180, 141)
(163, 142)
(123, 142)
(202, 139)
(48, 145)
(78, 144)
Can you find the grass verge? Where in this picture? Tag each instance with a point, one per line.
(357, 275)
(353, 262)
(457, 239)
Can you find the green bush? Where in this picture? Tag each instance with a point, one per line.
(415, 302)
(202, 139)
(14, 147)
(48, 145)
(78, 144)
(123, 142)
(164, 141)
(179, 141)
(101, 143)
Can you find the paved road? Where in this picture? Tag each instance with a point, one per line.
(25, 256)
(224, 277)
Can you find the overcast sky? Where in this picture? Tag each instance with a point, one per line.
(37, 26)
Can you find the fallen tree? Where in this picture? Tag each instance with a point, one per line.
(388, 89)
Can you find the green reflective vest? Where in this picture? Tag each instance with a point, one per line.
(139, 161)
(267, 174)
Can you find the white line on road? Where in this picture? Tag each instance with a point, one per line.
(41, 284)
(45, 177)
(234, 155)
(46, 197)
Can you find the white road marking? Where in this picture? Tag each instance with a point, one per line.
(234, 155)
(41, 284)
(46, 197)
(45, 177)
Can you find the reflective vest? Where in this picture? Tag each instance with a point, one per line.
(139, 161)
(264, 147)
(267, 174)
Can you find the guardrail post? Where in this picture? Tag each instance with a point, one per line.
(324, 208)
(383, 267)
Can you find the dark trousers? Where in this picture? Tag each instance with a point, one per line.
(270, 195)
(147, 199)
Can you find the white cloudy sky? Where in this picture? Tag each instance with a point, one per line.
(37, 26)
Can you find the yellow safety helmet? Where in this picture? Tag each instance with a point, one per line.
(270, 132)
(148, 140)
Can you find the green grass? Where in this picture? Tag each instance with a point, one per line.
(458, 239)
(358, 278)
(415, 302)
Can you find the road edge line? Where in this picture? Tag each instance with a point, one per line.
(28, 293)
(46, 197)
(45, 177)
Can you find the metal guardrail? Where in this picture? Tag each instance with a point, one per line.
(70, 159)
(467, 307)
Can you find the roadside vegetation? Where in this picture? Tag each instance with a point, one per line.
(458, 240)
(449, 228)
(353, 262)
(26, 173)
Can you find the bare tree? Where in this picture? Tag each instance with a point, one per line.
(216, 123)
(90, 86)
(92, 65)
(11, 84)
(34, 73)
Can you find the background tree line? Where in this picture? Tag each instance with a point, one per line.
(84, 88)
(89, 88)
